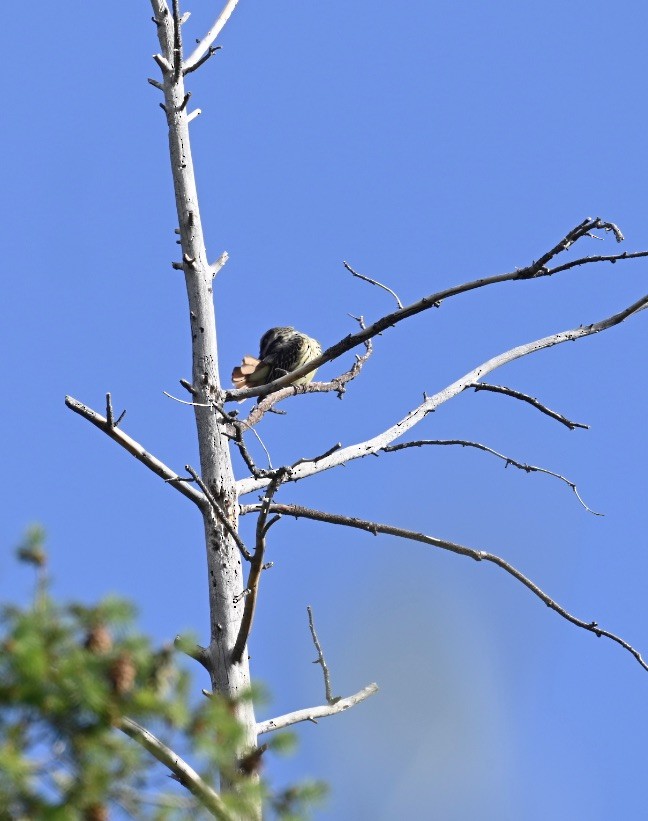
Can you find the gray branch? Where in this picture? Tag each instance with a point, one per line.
(184, 773)
(313, 713)
(136, 450)
(484, 386)
(479, 555)
(507, 460)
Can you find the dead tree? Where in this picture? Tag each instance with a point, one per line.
(234, 569)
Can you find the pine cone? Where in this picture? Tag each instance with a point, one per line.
(122, 673)
(98, 640)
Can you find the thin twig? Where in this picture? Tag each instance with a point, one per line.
(599, 258)
(485, 386)
(330, 698)
(479, 555)
(266, 451)
(193, 404)
(136, 450)
(507, 459)
(431, 403)
(373, 282)
(204, 45)
(533, 271)
(182, 771)
(313, 713)
(210, 53)
(220, 513)
(326, 453)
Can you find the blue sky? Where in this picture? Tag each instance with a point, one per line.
(426, 144)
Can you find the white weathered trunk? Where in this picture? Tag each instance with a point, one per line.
(225, 574)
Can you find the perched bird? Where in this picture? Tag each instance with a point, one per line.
(281, 351)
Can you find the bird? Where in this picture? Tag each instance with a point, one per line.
(281, 350)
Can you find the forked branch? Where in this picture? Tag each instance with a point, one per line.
(313, 713)
(204, 46)
(506, 459)
(109, 427)
(535, 270)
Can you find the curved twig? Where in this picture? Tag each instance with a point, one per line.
(373, 282)
(485, 386)
(507, 459)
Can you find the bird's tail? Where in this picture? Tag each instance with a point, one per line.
(251, 373)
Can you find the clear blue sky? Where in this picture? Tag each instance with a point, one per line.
(427, 143)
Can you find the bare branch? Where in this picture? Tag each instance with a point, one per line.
(533, 271)
(313, 713)
(431, 403)
(204, 45)
(164, 64)
(136, 450)
(210, 53)
(507, 459)
(195, 113)
(326, 453)
(484, 386)
(184, 773)
(373, 282)
(220, 262)
(575, 263)
(220, 513)
(330, 698)
(196, 652)
(479, 555)
(583, 229)
(239, 441)
(256, 566)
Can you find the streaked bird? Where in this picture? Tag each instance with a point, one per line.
(281, 351)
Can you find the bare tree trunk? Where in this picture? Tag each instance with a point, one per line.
(223, 558)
